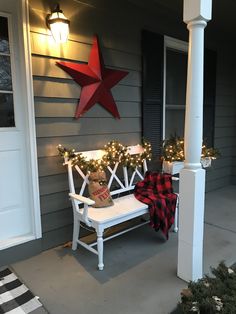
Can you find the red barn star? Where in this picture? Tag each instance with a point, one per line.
(95, 80)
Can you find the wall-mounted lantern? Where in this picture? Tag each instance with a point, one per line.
(59, 25)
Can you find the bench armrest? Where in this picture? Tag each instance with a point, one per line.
(82, 199)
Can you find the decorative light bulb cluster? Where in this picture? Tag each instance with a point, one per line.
(212, 153)
(173, 150)
(113, 152)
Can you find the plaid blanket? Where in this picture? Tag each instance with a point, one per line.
(156, 191)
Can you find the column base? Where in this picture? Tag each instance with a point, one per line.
(191, 223)
(190, 263)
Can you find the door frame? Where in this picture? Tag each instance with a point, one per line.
(30, 132)
(32, 149)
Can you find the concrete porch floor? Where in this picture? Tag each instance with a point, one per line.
(140, 267)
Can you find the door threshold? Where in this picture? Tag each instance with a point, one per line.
(5, 244)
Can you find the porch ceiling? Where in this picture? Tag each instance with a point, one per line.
(223, 22)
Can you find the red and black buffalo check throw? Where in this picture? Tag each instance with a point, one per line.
(15, 297)
(156, 191)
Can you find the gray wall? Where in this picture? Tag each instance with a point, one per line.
(221, 172)
(234, 117)
(118, 25)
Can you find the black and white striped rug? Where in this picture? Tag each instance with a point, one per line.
(15, 297)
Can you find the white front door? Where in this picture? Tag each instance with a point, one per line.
(19, 210)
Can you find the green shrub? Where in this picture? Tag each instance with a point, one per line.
(211, 295)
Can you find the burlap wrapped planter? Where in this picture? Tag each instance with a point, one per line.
(98, 189)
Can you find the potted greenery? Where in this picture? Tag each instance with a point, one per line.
(173, 155)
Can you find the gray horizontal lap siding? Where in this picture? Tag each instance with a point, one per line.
(47, 146)
(221, 172)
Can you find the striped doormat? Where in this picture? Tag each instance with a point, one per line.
(15, 297)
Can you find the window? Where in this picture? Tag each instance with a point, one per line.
(164, 76)
(174, 94)
(6, 89)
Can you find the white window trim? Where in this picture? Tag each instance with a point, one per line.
(37, 232)
(179, 45)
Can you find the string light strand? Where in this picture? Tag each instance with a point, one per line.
(114, 152)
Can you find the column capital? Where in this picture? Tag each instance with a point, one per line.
(195, 10)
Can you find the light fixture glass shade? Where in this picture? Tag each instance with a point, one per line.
(59, 26)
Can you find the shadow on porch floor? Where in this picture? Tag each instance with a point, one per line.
(140, 268)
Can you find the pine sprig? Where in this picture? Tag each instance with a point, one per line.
(114, 152)
(173, 150)
(211, 295)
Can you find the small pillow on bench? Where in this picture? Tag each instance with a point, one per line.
(98, 189)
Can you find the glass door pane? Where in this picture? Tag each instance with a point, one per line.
(6, 89)
(4, 37)
(6, 110)
(5, 73)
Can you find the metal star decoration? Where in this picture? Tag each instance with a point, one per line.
(95, 80)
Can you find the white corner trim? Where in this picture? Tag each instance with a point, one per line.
(37, 232)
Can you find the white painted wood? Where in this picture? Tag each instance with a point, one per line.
(76, 231)
(32, 149)
(122, 232)
(125, 207)
(100, 230)
(192, 177)
(194, 96)
(88, 246)
(197, 10)
(114, 177)
(19, 207)
(172, 167)
(16, 241)
(191, 222)
(176, 222)
(82, 199)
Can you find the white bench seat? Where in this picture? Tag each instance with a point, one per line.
(124, 208)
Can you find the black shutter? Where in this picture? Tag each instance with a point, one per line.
(152, 89)
(209, 97)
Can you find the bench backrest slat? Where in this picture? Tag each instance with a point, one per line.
(120, 183)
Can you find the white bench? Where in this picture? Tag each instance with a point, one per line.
(125, 207)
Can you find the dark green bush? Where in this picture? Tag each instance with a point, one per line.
(211, 295)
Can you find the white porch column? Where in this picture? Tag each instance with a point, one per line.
(192, 177)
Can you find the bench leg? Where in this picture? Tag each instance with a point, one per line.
(176, 216)
(100, 248)
(76, 230)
